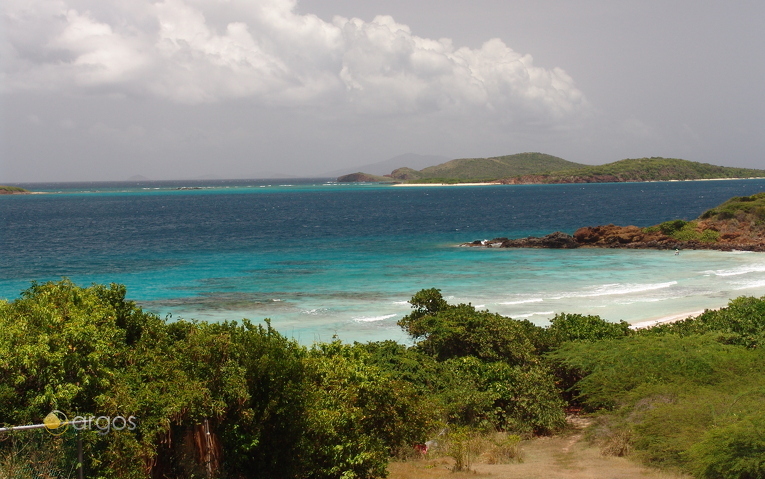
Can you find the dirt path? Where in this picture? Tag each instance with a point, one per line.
(567, 456)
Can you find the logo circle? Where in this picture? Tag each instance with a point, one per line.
(56, 422)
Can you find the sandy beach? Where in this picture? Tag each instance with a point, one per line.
(500, 183)
(666, 319)
(447, 184)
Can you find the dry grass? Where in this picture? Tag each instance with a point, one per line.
(35, 455)
(567, 456)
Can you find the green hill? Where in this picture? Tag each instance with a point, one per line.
(645, 169)
(484, 169)
(530, 168)
(406, 174)
(739, 207)
(9, 190)
(474, 169)
(363, 178)
(498, 167)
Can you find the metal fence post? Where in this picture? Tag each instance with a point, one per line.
(79, 456)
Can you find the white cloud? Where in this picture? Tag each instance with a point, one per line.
(100, 56)
(190, 51)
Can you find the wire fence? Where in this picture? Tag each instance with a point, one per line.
(36, 454)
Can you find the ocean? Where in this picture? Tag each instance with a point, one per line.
(322, 259)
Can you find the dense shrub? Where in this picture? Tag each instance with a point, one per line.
(685, 396)
(733, 451)
(491, 374)
(671, 227)
(741, 323)
(689, 394)
(449, 331)
(577, 327)
(359, 416)
(272, 408)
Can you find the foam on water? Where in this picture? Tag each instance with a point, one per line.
(523, 301)
(755, 284)
(615, 289)
(539, 313)
(746, 269)
(323, 259)
(371, 319)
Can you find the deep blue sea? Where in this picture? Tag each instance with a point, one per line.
(321, 258)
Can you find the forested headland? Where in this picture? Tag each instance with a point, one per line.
(540, 168)
(238, 399)
(12, 190)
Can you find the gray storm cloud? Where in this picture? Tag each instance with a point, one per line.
(195, 52)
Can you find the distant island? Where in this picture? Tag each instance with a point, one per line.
(540, 168)
(12, 190)
(737, 224)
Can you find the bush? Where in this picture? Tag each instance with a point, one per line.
(671, 227)
(487, 373)
(267, 404)
(668, 393)
(503, 448)
(577, 327)
(709, 236)
(741, 323)
(612, 369)
(733, 451)
(358, 417)
(463, 445)
(446, 331)
(498, 396)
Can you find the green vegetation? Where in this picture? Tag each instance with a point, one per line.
(682, 230)
(447, 181)
(469, 170)
(542, 168)
(650, 169)
(273, 406)
(12, 189)
(688, 395)
(497, 167)
(363, 178)
(740, 220)
(406, 174)
(741, 208)
(670, 395)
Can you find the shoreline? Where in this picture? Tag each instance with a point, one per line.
(447, 184)
(498, 182)
(673, 318)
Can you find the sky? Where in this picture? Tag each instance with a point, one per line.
(96, 90)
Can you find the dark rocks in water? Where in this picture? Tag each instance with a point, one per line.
(737, 224)
(554, 240)
(611, 236)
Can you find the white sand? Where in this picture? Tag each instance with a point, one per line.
(665, 319)
(498, 183)
(446, 184)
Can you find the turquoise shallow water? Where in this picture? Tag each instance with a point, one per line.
(321, 259)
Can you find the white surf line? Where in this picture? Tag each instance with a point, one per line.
(369, 319)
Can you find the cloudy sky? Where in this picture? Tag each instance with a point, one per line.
(107, 89)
